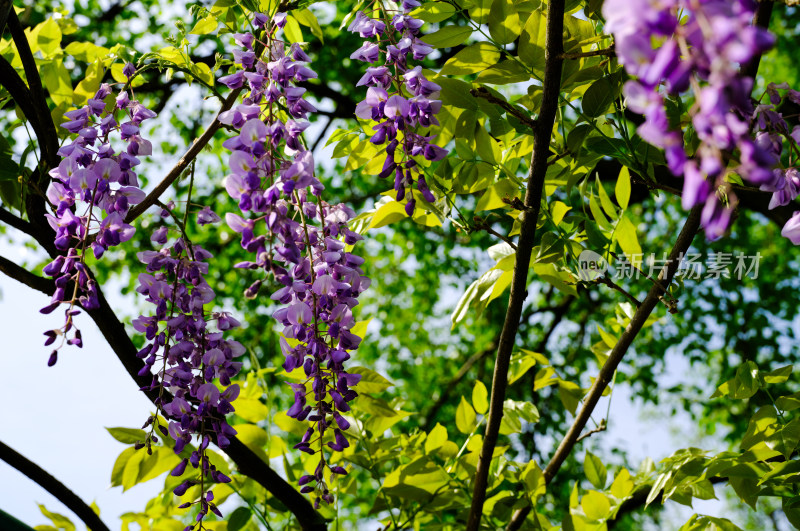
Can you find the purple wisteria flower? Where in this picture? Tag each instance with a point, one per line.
(402, 108)
(296, 238)
(91, 192)
(704, 52)
(187, 357)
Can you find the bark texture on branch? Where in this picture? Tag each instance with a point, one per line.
(542, 132)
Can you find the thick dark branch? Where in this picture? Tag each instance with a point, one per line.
(40, 476)
(5, 9)
(13, 221)
(43, 124)
(20, 274)
(542, 133)
(761, 19)
(606, 373)
(13, 83)
(184, 161)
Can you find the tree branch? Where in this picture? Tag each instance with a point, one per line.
(542, 132)
(610, 51)
(184, 161)
(43, 124)
(606, 373)
(20, 274)
(517, 113)
(41, 477)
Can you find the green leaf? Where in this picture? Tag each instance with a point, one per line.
(119, 466)
(292, 30)
(625, 235)
(532, 40)
(436, 438)
(205, 26)
(308, 19)
(623, 188)
(595, 505)
(388, 213)
(127, 435)
(434, 11)
(504, 26)
(595, 471)
(480, 398)
(479, 10)
(371, 381)
(239, 518)
(504, 73)
(448, 36)
(744, 385)
(49, 37)
(59, 520)
(251, 409)
(492, 198)
(465, 417)
(418, 480)
(520, 364)
(473, 58)
(778, 376)
(9, 170)
(598, 97)
(558, 210)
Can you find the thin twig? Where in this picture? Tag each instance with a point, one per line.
(601, 427)
(520, 115)
(610, 51)
(613, 285)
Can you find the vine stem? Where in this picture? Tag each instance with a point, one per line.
(542, 133)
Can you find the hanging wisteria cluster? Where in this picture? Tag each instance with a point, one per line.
(188, 357)
(92, 190)
(296, 237)
(399, 98)
(704, 52)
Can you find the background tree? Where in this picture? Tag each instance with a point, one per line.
(544, 163)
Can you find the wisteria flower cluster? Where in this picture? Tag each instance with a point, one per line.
(296, 237)
(704, 52)
(92, 190)
(188, 357)
(399, 98)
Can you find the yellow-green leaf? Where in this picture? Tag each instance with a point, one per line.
(448, 36)
(436, 438)
(49, 37)
(473, 58)
(623, 188)
(205, 26)
(480, 398)
(465, 417)
(387, 214)
(292, 30)
(625, 234)
(595, 505)
(308, 19)
(504, 25)
(595, 471)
